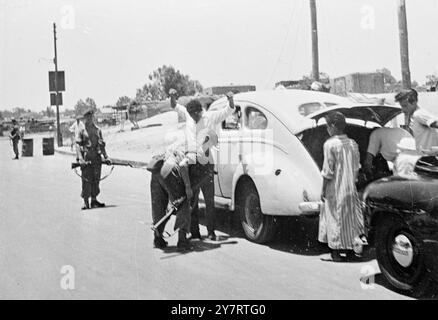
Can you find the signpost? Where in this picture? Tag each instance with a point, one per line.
(60, 81)
(56, 84)
(54, 101)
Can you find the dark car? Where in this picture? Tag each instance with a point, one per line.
(402, 219)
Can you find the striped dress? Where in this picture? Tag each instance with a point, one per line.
(341, 218)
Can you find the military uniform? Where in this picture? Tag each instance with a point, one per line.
(15, 137)
(92, 147)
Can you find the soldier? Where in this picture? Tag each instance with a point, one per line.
(90, 148)
(15, 137)
(170, 182)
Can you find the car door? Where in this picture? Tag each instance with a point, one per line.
(227, 157)
(243, 136)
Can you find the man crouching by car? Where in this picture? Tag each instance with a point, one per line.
(170, 182)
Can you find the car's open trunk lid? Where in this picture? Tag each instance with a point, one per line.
(379, 114)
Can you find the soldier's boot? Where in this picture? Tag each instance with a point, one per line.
(86, 205)
(96, 204)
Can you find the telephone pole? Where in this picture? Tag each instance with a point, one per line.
(404, 46)
(315, 62)
(58, 128)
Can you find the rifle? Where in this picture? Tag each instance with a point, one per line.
(174, 207)
(75, 165)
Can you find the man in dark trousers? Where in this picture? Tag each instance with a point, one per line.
(90, 148)
(15, 137)
(198, 123)
(170, 182)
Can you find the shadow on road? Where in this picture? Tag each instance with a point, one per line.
(296, 235)
(379, 279)
(199, 246)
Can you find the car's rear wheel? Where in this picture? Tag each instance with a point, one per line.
(258, 227)
(400, 256)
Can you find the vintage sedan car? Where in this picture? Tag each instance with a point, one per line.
(270, 154)
(402, 219)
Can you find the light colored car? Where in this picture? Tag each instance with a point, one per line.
(269, 156)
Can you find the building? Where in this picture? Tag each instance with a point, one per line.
(358, 82)
(288, 83)
(218, 90)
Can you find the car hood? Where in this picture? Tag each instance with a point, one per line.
(380, 114)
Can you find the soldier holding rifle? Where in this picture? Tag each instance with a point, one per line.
(90, 148)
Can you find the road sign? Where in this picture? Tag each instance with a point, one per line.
(61, 81)
(53, 99)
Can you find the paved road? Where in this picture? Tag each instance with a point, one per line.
(45, 240)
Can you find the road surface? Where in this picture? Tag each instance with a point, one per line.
(50, 249)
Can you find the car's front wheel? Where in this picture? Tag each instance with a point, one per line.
(400, 256)
(257, 226)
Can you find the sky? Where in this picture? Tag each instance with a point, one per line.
(107, 48)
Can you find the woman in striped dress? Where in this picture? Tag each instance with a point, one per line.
(341, 218)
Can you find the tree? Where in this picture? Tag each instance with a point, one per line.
(123, 101)
(69, 113)
(431, 80)
(49, 112)
(162, 80)
(82, 106)
(1, 115)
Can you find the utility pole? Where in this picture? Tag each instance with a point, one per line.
(315, 62)
(58, 128)
(404, 47)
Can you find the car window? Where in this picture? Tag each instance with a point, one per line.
(308, 108)
(255, 119)
(232, 122)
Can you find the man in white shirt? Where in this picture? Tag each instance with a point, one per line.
(421, 123)
(75, 128)
(383, 143)
(198, 123)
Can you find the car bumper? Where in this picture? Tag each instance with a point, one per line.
(310, 207)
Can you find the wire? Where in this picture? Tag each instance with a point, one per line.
(329, 43)
(292, 60)
(291, 19)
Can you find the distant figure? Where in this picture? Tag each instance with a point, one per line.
(123, 118)
(341, 219)
(132, 114)
(383, 147)
(15, 137)
(421, 123)
(319, 86)
(75, 128)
